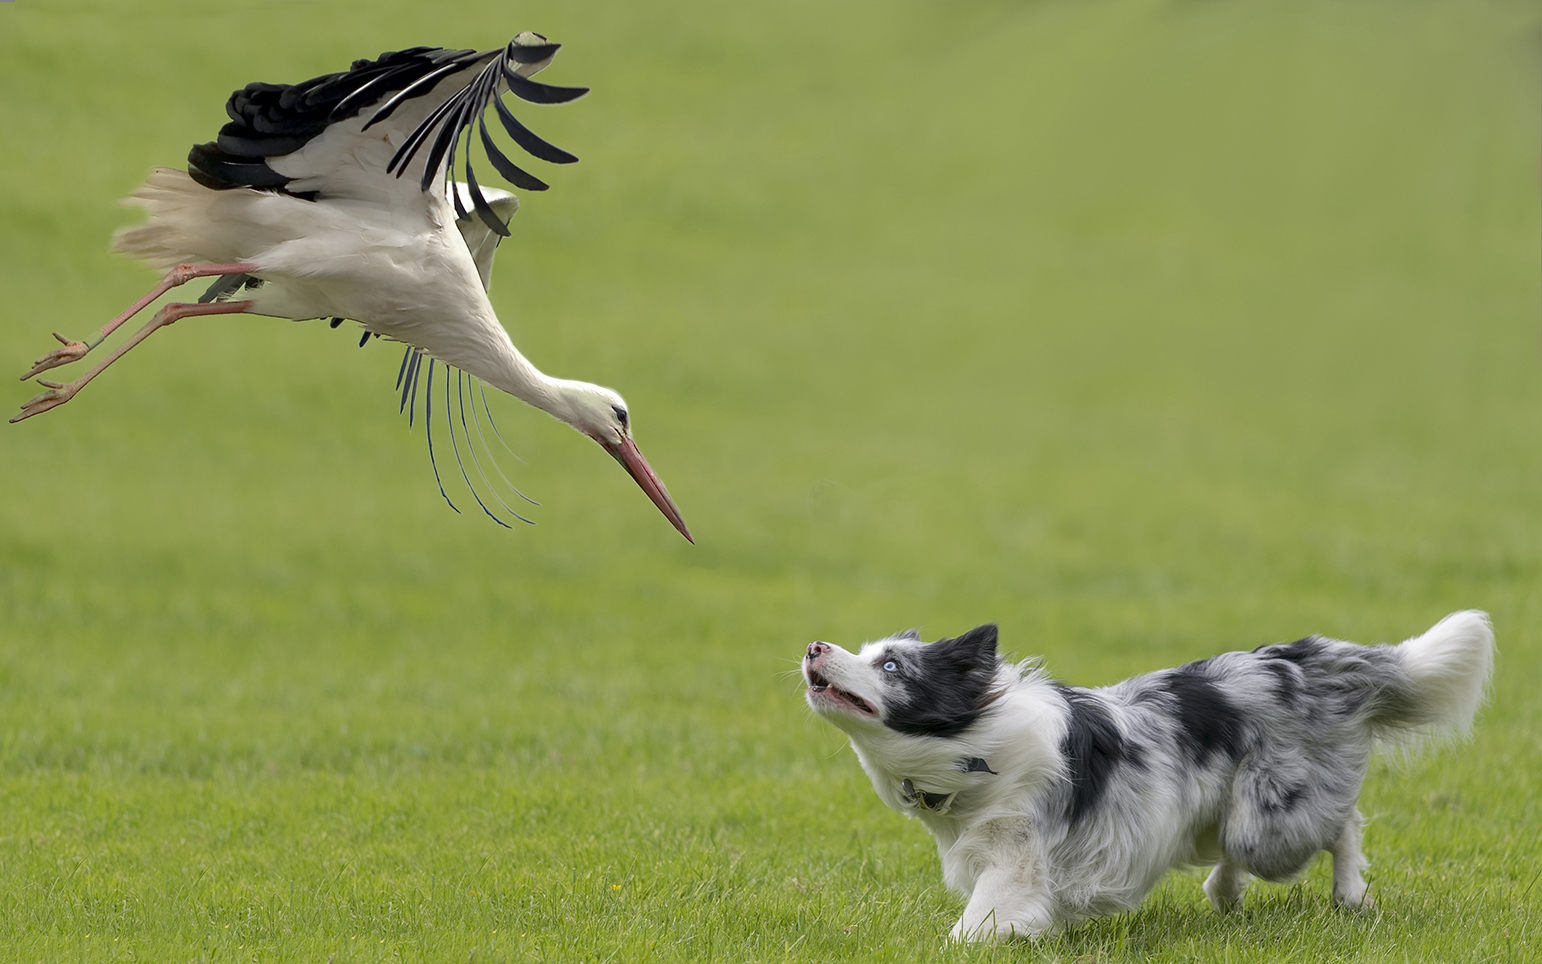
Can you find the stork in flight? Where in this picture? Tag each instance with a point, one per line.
(329, 199)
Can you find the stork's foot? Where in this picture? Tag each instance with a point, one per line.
(72, 351)
(56, 395)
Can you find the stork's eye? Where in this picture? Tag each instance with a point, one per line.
(620, 414)
(890, 666)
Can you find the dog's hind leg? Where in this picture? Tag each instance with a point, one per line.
(1349, 889)
(1224, 886)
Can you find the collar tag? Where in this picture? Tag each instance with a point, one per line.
(930, 802)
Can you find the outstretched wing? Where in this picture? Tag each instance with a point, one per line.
(510, 70)
(272, 120)
(310, 139)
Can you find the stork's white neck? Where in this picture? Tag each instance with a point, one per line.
(512, 372)
(494, 359)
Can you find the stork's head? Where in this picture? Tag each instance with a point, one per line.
(602, 415)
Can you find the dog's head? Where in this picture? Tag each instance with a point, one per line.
(902, 684)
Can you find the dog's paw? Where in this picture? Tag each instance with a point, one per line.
(1356, 900)
(1224, 888)
(994, 930)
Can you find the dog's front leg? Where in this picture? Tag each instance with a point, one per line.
(1007, 903)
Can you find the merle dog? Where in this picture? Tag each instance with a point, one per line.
(1051, 802)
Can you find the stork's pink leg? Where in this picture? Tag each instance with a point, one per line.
(58, 394)
(180, 275)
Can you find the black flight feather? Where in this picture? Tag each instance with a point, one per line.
(419, 87)
(444, 141)
(484, 210)
(428, 420)
(412, 369)
(441, 130)
(531, 143)
(272, 120)
(456, 446)
(220, 171)
(536, 92)
(226, 285)
(417, 367)
(511, 172)
(403, 370)
(417, 137)
(532, 53)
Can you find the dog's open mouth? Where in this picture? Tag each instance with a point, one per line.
(819, 686)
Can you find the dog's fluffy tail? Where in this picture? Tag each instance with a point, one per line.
(1448, 667)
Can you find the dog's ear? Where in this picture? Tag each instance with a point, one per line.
(944, 687)
(979, 642)
(914, 634)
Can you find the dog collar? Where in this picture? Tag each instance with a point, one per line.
(930, 802)
(941, 802)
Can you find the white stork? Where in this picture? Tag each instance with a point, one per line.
(327, 199)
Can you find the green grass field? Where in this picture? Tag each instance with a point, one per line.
(1145, 328)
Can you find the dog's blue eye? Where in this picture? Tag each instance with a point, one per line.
(889, 666)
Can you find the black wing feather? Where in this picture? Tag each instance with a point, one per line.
(511, 172)
(531, 143)
(444, 141)
(538, 93)
(484, 210)
(419, 87)
(416, 139)
(532, 53)
(270, 120)
(466, 107)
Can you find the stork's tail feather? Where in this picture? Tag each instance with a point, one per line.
(189, 223)
(1448, 668)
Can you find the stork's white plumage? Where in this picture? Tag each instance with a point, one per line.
(328, 199)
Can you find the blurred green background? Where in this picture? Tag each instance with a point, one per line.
(1145, 328)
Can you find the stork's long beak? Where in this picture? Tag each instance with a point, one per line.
(637, 467)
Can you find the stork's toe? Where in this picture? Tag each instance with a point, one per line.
(56, 395)
(71, 352)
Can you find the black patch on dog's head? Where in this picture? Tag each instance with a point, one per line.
(1093, 748)
(944, 685)
(1208, 724)
(914, 634)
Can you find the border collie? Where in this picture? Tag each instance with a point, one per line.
(1052, 802)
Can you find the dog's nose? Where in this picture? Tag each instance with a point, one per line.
(817, 649)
